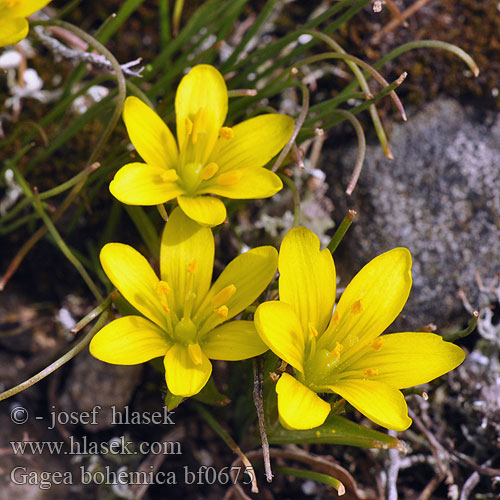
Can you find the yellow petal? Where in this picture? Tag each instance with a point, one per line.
(298, 406)
(372, 300)
(141, 184)
(23, 8)
(233, 341)
(254, 142)
(380, 402)
(131, 273)
(12, 30)
(202, 88)
(129, 341)
(186, 258)
(184, 377)
(249, 273)
(149, 134)
(411, 358)
(307, 278)
(205, 210)
(251, 183)
(279, 328)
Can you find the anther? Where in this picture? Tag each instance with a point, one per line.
(221, 311)
(223, 296)
(229, 178)
(370, 372)
(191, 266)
(313, 330)
(336, 317)
(169, 175)
(163, 289)
(195, 353)
(226, 132)
(337, 350)
(377, 343)
(356, 308)
(189, 126)
(208, 171)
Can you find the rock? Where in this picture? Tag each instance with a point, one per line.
(439, 197)
(93, 383)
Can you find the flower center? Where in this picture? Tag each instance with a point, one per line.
(193, 168)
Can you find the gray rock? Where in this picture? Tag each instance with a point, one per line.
(440, 198)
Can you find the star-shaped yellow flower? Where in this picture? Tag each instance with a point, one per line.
(185, 319)
(207, 157)
(344, 353)
(13, 24)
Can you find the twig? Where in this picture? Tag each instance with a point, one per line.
(257, 399)
(431, 486)
(392, 472)
(469, 485)
(97, 60)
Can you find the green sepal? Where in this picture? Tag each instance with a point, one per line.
(172, 401)
(335, 430)
(210, 395)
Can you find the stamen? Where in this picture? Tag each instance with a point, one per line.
(189, 126)
(198, 125)
(337, 350)
(313, 330)
(336, 318)
(195, 353)
(356, 308)
(226, 132)
(163, 289)
(377, 343)
(229, 178)
(370, 372)
(223, 296)
(209, 171)
(188, 304)
(169, 175)
(221, 311)
(191, 266)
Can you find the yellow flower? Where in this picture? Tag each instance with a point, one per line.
(185, 319)
(344, 353)
(207, 157)
(13, 24)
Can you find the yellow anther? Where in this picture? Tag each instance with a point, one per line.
(313, 330)
(370, 372)
(208, 171)
(189, 126)
(12, 3)
(192, 266)
(356, 308)
(195, 353)
(169, 175)
(336, 317)
(223, 296)
(337, 350)
(226, 132)
(318, 434)
(377, 343)
(163, 289)
(229, 178)
(221, 311)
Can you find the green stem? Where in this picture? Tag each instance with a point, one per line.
(342, 229)
(65, 249)
(58, 363)
(314, 476)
